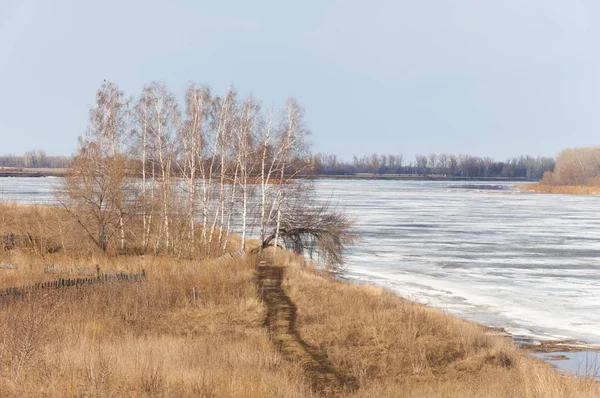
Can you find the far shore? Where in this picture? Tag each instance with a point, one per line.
(414, 177)
(31, 172)
(560, 189)
(50, 172)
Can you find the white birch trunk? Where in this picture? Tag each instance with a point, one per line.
(223, 115)
(231, 208)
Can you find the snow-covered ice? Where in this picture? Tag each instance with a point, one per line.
(528, 263)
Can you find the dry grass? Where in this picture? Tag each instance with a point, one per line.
(44, 222)
(561, 189)
(395, 347)
(54, 230)
(147, 339)
(155, 339)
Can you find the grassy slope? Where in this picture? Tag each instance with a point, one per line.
(151, 339)
(147, 339)
(391, 345)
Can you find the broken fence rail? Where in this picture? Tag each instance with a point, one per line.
(55, 268)
(16, 293)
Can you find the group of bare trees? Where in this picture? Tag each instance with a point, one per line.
(155, 176)
(575, 166)
(442, 164)
(36, 159)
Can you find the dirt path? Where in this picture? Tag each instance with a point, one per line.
(281, 324)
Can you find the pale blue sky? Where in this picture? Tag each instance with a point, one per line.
(490, 78)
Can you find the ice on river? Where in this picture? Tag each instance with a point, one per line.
(30, 190)
(529, 263)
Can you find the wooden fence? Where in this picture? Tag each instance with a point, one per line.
(11, 294)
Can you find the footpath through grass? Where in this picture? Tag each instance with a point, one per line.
(281, 324)
(248, 331)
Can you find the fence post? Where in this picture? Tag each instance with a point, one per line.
(24, 292)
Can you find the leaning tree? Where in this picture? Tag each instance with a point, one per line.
(314, 228)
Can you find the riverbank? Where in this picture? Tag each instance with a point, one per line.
(560, 189)
(197, 329)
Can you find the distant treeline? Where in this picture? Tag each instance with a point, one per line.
(36, 159)
(438, 164)
(575, 166)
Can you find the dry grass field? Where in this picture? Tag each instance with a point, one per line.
(157, 338)
(146, 339)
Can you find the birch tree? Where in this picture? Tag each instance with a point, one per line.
(142, 137)
(224, 111)
(193, 140)
(94, 192)
(268, 166)
(292, 146)
(97, 191)
(164, 115)
(108, 125)
(245, 141)
(226, 155)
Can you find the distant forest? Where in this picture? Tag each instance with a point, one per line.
(326, 164)
(36, 159)
(436, 164)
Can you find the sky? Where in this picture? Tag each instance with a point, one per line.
(496, 78)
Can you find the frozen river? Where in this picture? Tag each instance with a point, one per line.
(524, 262)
